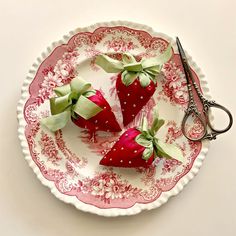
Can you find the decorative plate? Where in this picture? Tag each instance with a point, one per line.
(68, 161)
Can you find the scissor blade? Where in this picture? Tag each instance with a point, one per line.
(181, 50)
(184, 61)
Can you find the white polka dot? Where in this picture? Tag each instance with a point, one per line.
(128, 94)
(125, 102)
(135, 83)
(96, 121)
(129, 162)
(133, 115)
(122, 148)
(135, 151)
(106, 121)
(104, 107)
(114, 149)
(110, 159)
(118, 91)
(108, 130)
(134, 105)
(141, 97)
(121, 161)
(96, 128)
(126, 135)
(85, 126)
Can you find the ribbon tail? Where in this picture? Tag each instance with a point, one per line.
(157, 123)
(165, 56)
(86, 108)
(168, 150)
(154, 64)
(56, 122)
(108, 64)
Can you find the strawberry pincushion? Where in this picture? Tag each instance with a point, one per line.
(133, 97)
(85, 106)
(104, 120)
(138, 147)
(127, 152)
(136, 80)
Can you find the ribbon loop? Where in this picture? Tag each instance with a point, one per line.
(63, 90)
(79, 85)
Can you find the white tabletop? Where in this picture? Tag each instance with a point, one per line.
(207, 204)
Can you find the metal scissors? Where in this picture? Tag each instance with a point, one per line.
(209, 132)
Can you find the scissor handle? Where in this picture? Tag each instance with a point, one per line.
(208, 104)
(193, 111)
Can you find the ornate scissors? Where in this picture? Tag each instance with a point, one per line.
(209, 132)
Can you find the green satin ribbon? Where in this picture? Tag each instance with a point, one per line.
(152, 144)
(146, 70)
(72, 100)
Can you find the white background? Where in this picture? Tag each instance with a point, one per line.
(207, 205)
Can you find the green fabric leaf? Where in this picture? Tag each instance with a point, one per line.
(142, 140)
(56, 122)
(86, 108)
(147, 153)
(169, 150)
(144, 79)
(128, 77)
(108, 64)
(135, 67)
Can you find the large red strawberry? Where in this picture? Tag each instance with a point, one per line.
(138, 147)
(85, 106)
(136, 81)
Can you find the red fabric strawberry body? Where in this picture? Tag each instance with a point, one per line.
(104, 120)
(133, 97)
(126, 152)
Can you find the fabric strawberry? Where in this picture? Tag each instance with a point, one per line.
(104, 120)
(138, 147)
(136, 81)
(85, 106)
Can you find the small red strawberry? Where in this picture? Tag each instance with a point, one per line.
(127, 152)
(136, 81)
(138, 147)
(85, 106)
(104, 120)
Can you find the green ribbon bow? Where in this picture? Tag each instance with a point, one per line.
(72, 100)
(146, 70)
(152, 144)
